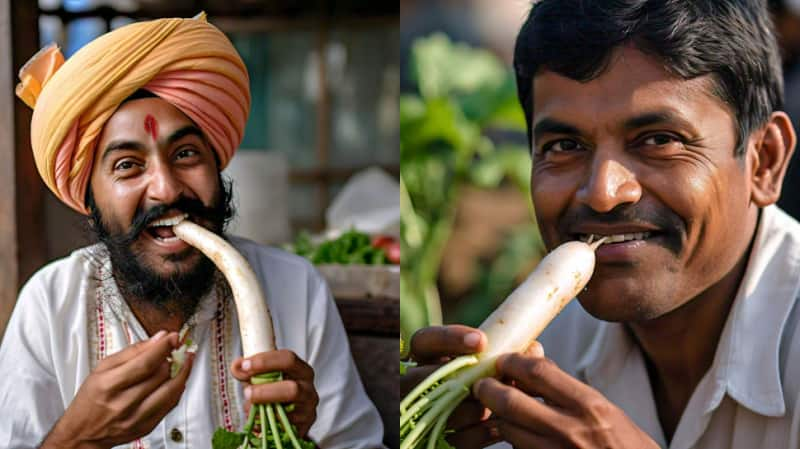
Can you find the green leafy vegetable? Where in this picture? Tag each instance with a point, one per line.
(223, 439)
(352, 247)
(267, 426)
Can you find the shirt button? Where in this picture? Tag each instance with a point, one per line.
(176, 435)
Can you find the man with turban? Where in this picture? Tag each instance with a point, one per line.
(133, 131)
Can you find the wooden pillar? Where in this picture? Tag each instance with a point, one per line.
(30, 189)
(8, 226)
(323, 124)
(22, 239)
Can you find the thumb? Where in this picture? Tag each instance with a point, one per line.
(534, 349)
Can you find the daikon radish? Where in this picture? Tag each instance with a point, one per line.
(255, 326)
(255, 321)
(519, 320)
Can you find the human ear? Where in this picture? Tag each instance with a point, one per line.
(770, 158)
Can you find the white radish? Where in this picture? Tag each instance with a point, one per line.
(519, 320)
(557, 279)
(255, 321)
(255, 326)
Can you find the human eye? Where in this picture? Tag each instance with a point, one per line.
(562, 146)
(124, 166)
(186, 153)
(660, 141)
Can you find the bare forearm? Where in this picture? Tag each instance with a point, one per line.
(62, 438)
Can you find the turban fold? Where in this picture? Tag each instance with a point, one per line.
(187, 62)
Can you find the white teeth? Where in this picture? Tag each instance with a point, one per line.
(167, 239)
(616, 238)
(172, 221)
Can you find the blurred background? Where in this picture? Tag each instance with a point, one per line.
(468, 229)
(468, 233)
(320, 155)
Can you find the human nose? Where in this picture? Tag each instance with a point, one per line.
(609, 184)
(164, 186)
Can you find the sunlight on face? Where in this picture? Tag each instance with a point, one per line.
(150, 154)
(640, 153)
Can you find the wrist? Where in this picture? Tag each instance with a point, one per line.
(60, 438)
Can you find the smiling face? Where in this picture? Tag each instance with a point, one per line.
(649, 159)
(153, 163)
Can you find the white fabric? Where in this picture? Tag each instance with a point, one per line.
(750, 397)
(70, 314)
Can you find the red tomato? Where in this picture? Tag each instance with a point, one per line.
(393, 252)
(389, 245)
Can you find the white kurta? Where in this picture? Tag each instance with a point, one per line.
(750, 397)
(70, 315)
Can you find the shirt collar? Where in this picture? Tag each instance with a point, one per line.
(746, 363)
(747, 358)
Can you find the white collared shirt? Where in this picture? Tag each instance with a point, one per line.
(70, 315)
(750, 396)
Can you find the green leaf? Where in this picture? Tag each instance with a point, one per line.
(224, 439)
(510, 162)
(441, 67)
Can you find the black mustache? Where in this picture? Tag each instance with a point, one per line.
(664, 220)
(191, 206)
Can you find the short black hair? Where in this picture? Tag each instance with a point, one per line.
(730, 40)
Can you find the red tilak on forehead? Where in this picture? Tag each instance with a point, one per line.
(151, 126)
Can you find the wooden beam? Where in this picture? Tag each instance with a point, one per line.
(8, 227)
(30, 189)
(370, 316)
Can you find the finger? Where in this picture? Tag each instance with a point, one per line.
(478, 436)
(130, 352)
(432, 343)
(168, 394)
(148, 359)
(283, 360)
(136, 393)
(303, 418)
(511, 404)
(540, 376)
(469, 413)
(285, 391)
(521, 438)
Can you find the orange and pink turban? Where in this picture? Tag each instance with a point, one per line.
(187, 62)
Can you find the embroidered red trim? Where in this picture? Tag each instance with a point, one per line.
(219, 339)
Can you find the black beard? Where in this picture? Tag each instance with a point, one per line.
(179, 293)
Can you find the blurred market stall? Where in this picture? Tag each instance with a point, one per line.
(468, 233)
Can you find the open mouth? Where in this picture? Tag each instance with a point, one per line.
(616, 238)
(161, 229)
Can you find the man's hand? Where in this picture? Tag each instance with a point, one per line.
(123, 398)
(297, 386)
(433, 346)
(572, 414)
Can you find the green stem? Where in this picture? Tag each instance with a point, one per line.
(445, 370)
(460, 375)
(438, 429)
(251, 419)
(447, 403)
(413, 233)
(287, 426)
(263, 426)
(276, 436)
(423, 403)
